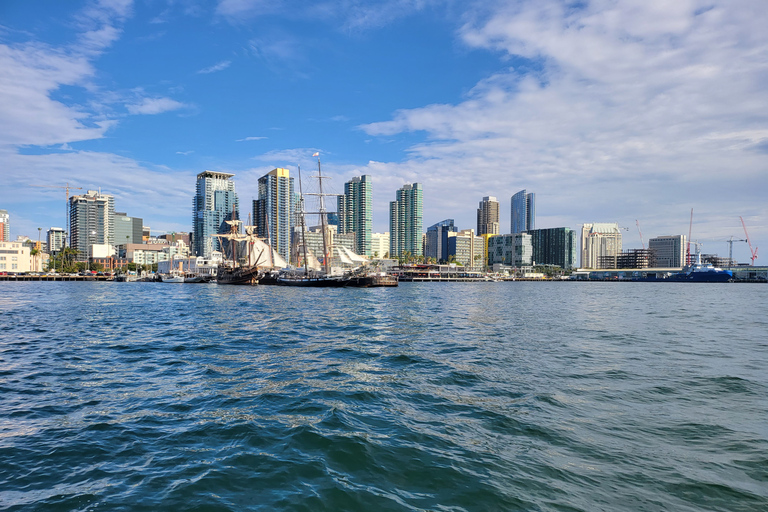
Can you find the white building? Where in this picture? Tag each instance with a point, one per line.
(379, 244)
(15, 257)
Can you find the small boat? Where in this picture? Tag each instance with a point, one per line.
(171, 278)
(191, 277)
(372, 280)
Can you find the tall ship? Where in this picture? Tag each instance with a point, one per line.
(232, 271)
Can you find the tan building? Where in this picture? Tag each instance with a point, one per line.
(15, 257)
(600, 245)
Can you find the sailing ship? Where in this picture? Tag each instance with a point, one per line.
(231, 272)
(310, 277)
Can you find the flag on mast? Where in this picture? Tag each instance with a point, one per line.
(316, 154)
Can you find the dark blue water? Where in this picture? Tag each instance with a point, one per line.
(449, 397)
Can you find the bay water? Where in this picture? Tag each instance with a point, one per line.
(442, 396)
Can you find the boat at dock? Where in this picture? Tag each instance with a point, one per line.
(701, 273)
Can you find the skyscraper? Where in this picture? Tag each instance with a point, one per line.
(91, 221)
(669, 250)
(355, 213)
(274, 210)
(600, 245)
(215, 201)
(128, 230)
(554, 246)
(405, 221)
(5, 228)
(523, 212)
(488, 217)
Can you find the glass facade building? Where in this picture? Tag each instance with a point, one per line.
(215, 201)
(554, 246)
(274, 212)
(523, 212)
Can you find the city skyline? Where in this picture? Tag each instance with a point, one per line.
(610, 113)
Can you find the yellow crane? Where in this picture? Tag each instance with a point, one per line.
(66, 188)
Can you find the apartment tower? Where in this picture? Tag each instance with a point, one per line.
(405, 221)
(275, 209)
(488, 217)
(355, 213)
(215, 202)
(91, 221)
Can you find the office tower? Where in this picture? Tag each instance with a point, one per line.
(91, 221)
(523, 212)
(215, 202)
(669, 250)
(554, 246)
(274, 210)
(600, 245)
(488, 217)
(56, 238)
(436, 244)
(405, 221)
(128, 230)
(355, 213)
(5, 228)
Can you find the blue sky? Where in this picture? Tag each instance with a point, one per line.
(609, 111)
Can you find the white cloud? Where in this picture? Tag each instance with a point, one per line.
(638, 110)
(250, 138)
(221, 66)
(153, 106)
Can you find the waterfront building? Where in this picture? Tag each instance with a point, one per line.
(488, 217)
(600, 245)
(436, 240)
(91, 221)
(405, 221)
(514, 250)
(56, 238)
(341, 245)
(15, 257)
(523, 212)
(554, 246)
(669, 250)
(214, 203)
(467, 249)
(128, 230)
(5, 226)
(275, 209)
(355, 212)
(379, 245)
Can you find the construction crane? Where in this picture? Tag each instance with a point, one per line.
(688, 249)
(730, 249)
(641, 233)
(66, 188)
(753, 251)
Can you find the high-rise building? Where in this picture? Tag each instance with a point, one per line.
(91, 221)
(355, 212)
(215, 202)
(669, 250)
(554, 246)
(56, 239)
(405, 221)
(436, 243)
(600, 245)
(523, 212)
(488, 217)
(128, 230)
(274, 211)
(5, 228)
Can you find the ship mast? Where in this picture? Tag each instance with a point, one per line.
(323, 221)
(303, 226)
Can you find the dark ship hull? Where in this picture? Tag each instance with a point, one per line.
(240, 275)
(372, 281)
